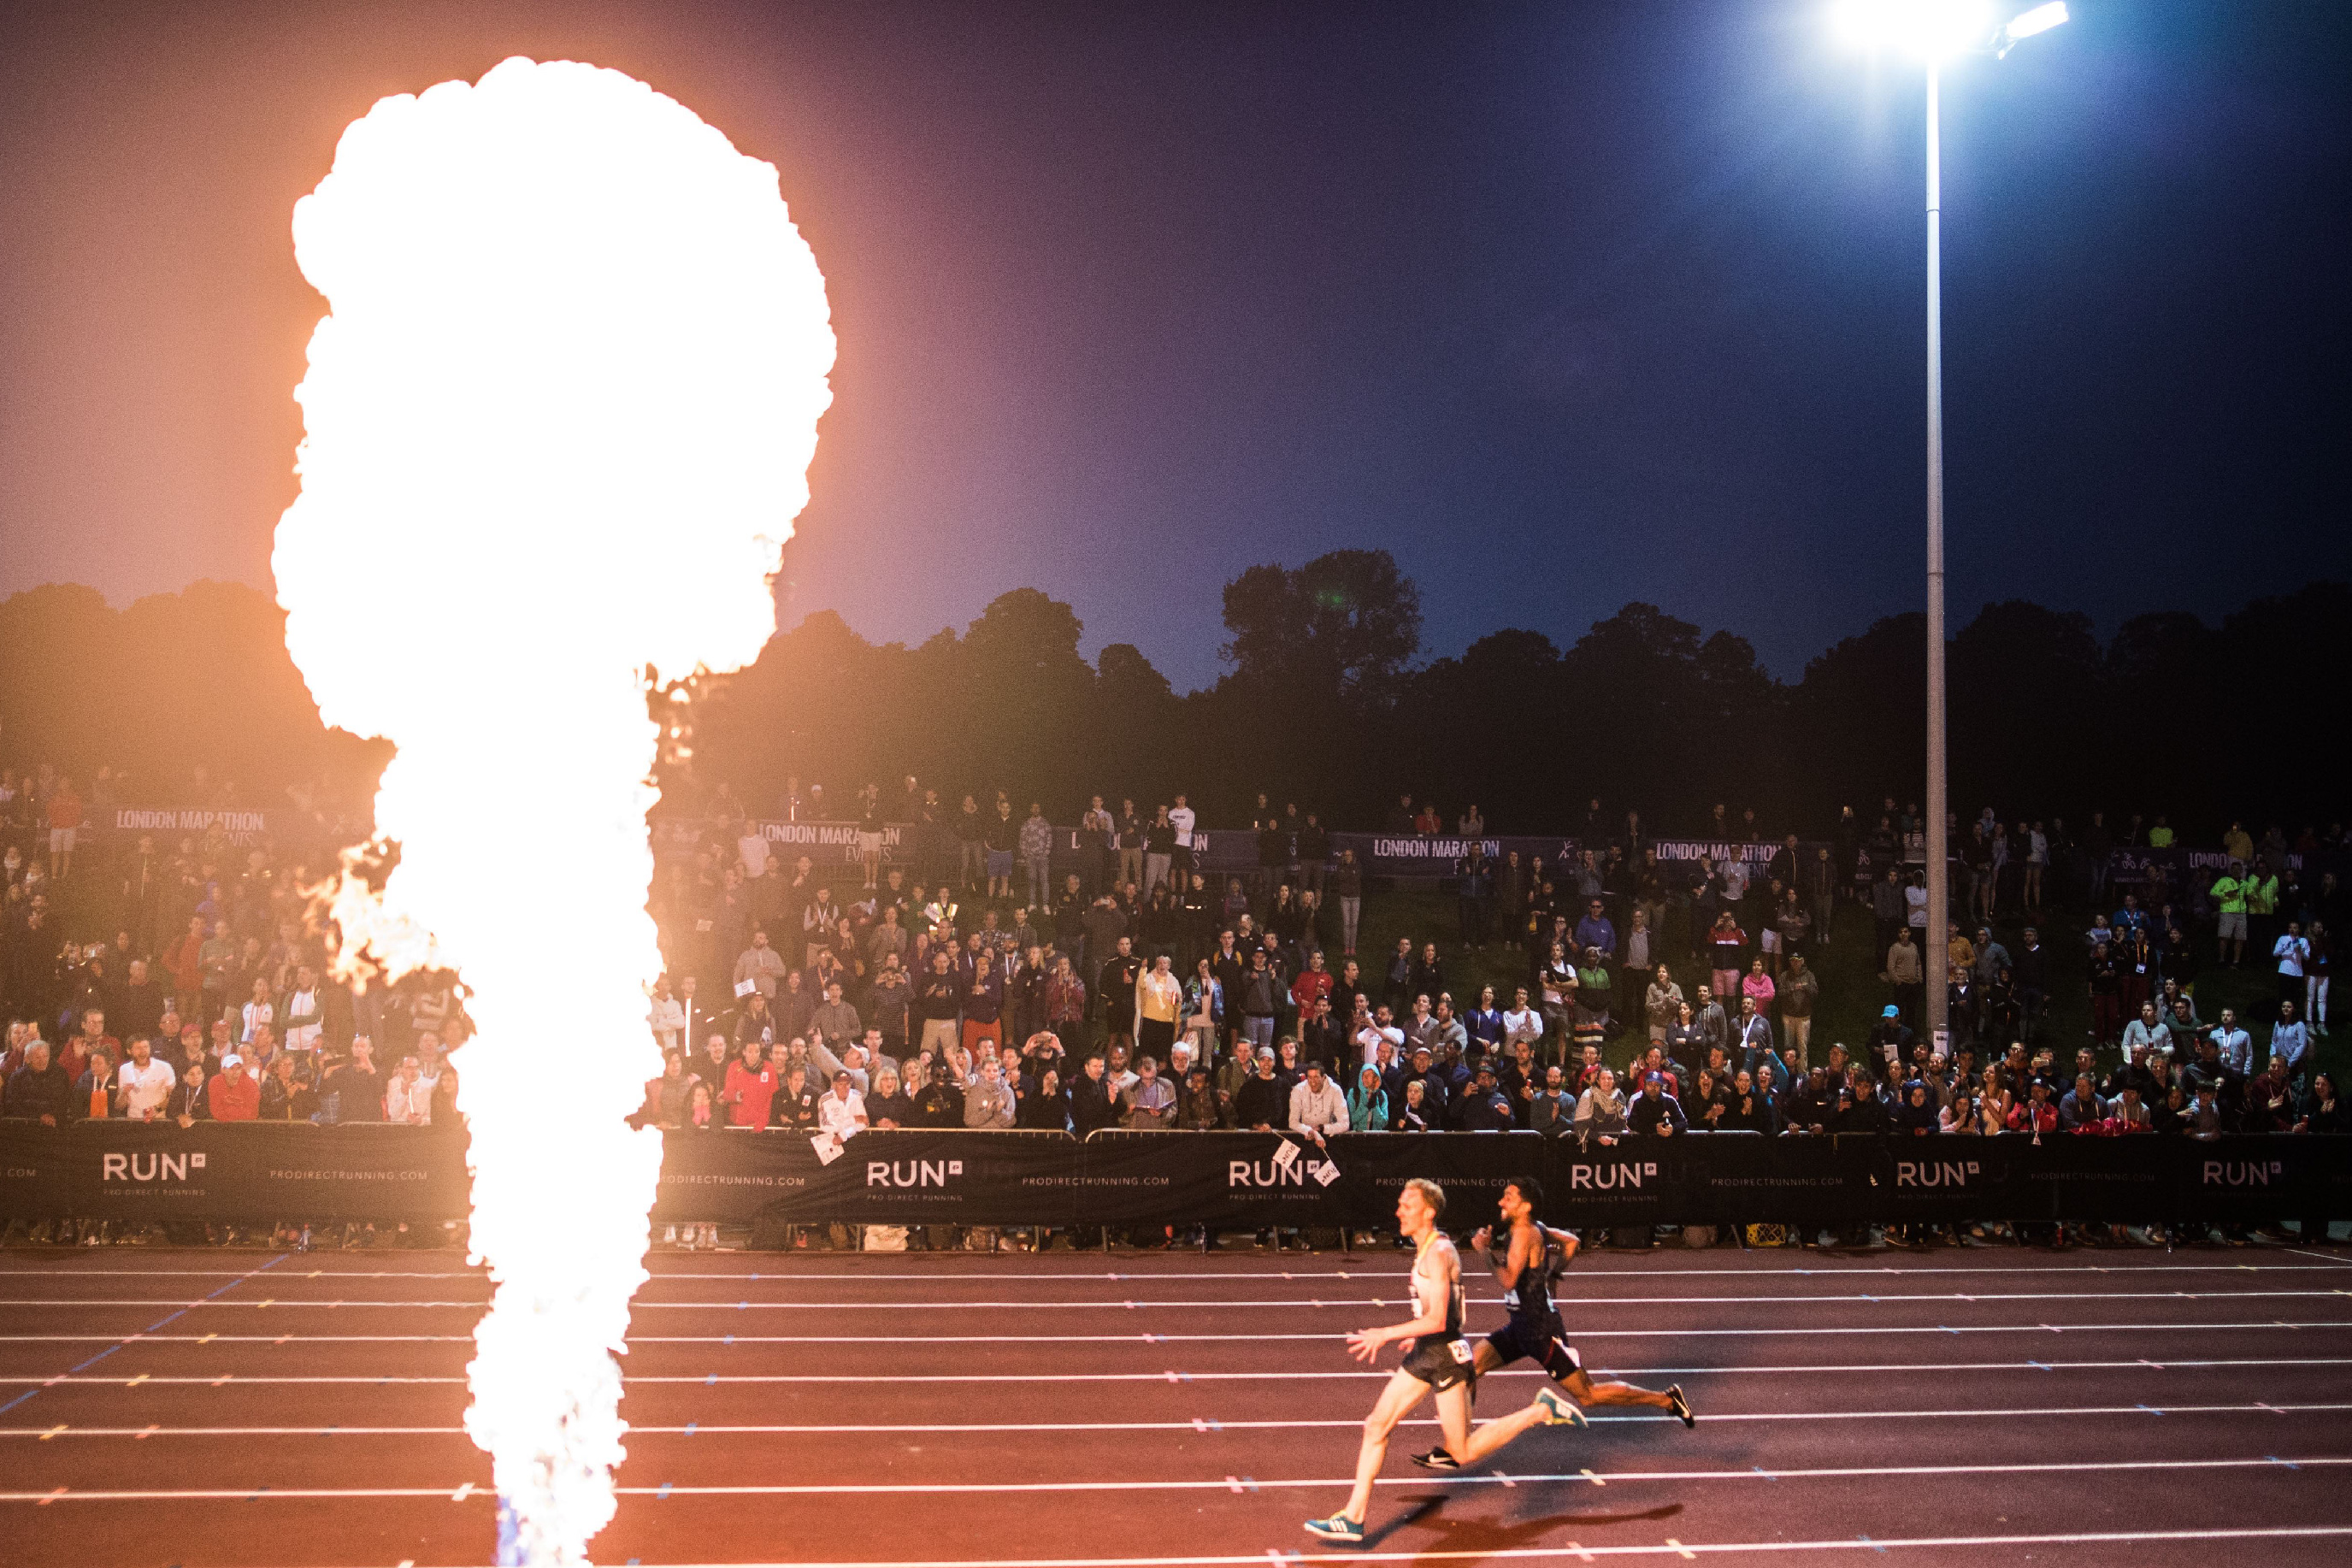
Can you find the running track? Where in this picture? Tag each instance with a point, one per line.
(1955, 1406)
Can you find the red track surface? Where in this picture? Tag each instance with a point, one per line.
(1968, 1407)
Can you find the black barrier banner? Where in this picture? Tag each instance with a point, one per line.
(146, 1172)
(892, 1177)
(1227, 1181)
(150, 1171)
(1472, 1168)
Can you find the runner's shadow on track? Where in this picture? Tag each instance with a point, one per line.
(1455, 1536)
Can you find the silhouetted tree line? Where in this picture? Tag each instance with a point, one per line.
(1325, 703)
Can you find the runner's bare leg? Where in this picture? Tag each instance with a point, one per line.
(1396, 1402)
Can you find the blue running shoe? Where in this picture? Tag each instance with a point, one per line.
(1558, 1409)
(1338, 1528)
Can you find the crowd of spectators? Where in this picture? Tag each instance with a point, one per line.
(969, 981)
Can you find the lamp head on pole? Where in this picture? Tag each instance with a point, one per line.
(1937, 30)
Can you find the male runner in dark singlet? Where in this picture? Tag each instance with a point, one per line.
(1438, 1360)
(1528, 1269)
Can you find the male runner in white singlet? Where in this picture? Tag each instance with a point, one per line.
(1438, 1360)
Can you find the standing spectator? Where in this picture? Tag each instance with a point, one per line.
(1158, 1003)
(1317, 1108)
(988, 1101)
(2291, 951)
(760, 964)
(1348, 887)
(1161, 839)
(408, 1099)
(143, 1087)
(1132, 836)
(1117, 990)
(1906, 973)
(1799, 989)
(1150, 1101)
(939, 1003)
(1036, 842)
(1000, 835)
(750, 1088)
(842, 1111)
(355, 1087)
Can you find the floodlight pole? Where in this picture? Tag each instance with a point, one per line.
(1937, 959)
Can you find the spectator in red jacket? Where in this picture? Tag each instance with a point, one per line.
(751, 1087)
(235, 1095)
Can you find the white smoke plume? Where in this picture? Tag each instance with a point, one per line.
(557, 426)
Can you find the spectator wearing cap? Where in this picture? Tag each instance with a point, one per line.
(236, 1096)
(1262, 1105)
(1484, 1108)
(1655, 1114)
(842, 1109)
(1436, 1088)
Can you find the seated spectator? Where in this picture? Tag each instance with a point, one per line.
(191, 1101)
(1368, 1104)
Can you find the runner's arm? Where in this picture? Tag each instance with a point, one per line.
(1568, 1244)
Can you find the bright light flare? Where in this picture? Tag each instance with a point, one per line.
(558, 424)
(1930, 29)
(2040, 20)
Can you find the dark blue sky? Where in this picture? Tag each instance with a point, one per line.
(1564, 304)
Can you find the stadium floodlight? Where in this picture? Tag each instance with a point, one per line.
(1937, 32)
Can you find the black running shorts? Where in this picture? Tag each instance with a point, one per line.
(1440, 1361)
(1541, 1344)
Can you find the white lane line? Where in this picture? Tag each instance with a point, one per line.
(1668, 1548)
(977, 1269)
(1222, 1304)
(1809, 1369)
(384, 1379)
(1584, 1478)
(1188, 1425)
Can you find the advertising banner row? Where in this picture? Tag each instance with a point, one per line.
(147, 1172)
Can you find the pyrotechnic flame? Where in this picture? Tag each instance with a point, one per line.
(558, 424)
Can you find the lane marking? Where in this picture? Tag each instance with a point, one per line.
(1230, 1483)
(1597, 1266)
(151, 1328)
(1224, 1304)
(1671, 1333)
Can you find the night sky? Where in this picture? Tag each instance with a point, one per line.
(1565, 304)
